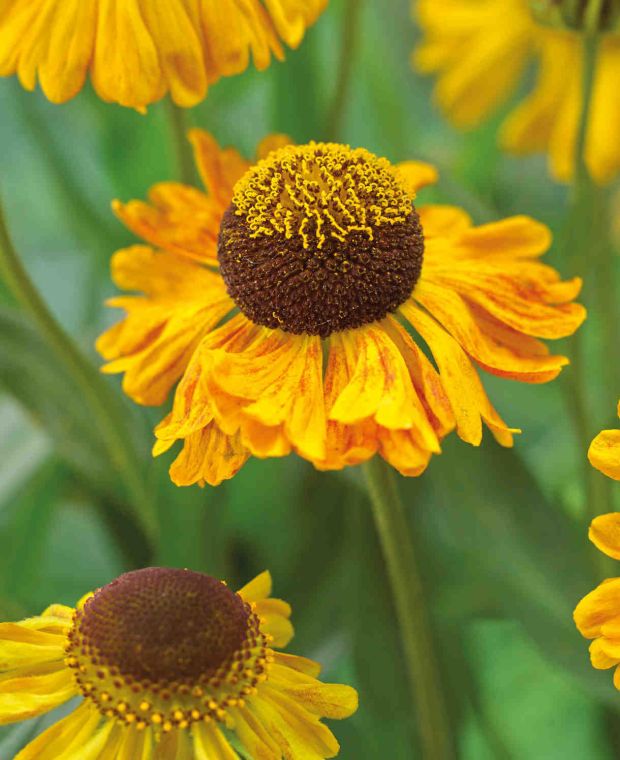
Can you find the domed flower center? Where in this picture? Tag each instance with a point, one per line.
(320, 238)
(166, 647)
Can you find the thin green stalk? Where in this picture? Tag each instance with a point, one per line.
(178, 124)
(348, 47)
(421, 663)
(582, 234)
(94, 390)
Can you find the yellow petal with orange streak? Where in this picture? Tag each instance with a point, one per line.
(468, 398)
(513, 362)
(219, 168)
(208, 456)
(379, 386)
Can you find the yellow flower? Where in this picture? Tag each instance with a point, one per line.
(597, 615)
(170, 664)
(138, 50)
(604, 453)
(322, 258)
(480, 48)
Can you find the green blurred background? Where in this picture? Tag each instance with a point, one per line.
(501, 534)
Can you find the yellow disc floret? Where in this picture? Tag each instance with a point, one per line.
(318, 191)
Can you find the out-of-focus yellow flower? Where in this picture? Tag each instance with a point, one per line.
(169, 664)
(138, 50)
(597, 615)
(604, 453)
(322, 256)
(479, 49)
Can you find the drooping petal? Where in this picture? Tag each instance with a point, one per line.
(210, 744)
(525, 360)
(298, 732)
(208, 456)
(33, 690)
(23, 644)
(274, 385)
(154, 343)
(469, 401)
(253, 735)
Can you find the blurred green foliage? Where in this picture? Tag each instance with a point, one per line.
(502, 533)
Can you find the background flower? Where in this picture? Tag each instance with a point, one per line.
(467, 42)
(169, 663)
(137, 51)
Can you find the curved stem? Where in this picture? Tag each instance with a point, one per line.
(350, 35)
(413, 618)
(179, 126)
(95, 392)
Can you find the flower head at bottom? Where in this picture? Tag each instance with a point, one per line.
(170, 664)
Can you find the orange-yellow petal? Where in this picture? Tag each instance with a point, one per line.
(598, 608)
(154, 343)
(469, 401)
(604, 452)
(605, 534)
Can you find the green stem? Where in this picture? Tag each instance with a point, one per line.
(348, 47)
(413, 618)
(95, 392)
(582, 235)
(178, 124)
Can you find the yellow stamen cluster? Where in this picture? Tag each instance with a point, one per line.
(320, 191)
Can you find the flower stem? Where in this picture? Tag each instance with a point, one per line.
(95, 392)
(178, 125)
(351, 23)
(413, 618)
(583, 239)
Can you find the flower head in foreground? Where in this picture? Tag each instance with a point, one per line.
(170, 664)
(138, 50)
(604, 453)
(597, 615)
(479, 50)
(323, 260)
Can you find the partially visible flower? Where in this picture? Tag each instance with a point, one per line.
(138, 50)
(324, 259)
(479, 51)
(597, 615)
(604, 453)
(169, 664)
